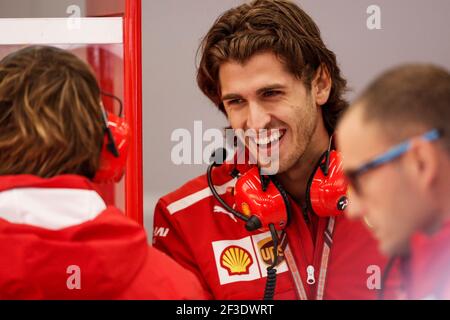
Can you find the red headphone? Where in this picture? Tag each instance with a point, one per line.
(261, 201)
(113, 156)
(326, 194)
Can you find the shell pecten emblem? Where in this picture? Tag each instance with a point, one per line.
(236, 260)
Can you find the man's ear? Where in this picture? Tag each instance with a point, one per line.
(321, 85)
(423, 163)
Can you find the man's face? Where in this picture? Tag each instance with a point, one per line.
(386, 198)
(262, 94)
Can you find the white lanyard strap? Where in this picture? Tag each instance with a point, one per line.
(295, 274)
(328, 241)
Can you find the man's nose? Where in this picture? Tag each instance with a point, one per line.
(258, 118)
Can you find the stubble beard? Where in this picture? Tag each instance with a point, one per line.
(299, 150)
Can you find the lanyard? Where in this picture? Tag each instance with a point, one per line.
(327, 243)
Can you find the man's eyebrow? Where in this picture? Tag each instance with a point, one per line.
(230, 96)
(270, 87)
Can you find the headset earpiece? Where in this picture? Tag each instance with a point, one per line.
(114, 150)
(262, 200)
(326, 194)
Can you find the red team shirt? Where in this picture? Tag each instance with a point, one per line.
(191, 226)
(49, 225)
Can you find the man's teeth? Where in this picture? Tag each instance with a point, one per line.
(277, 135)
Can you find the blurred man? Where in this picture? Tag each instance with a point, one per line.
(265, 66)
(58, 240)
(395, 140)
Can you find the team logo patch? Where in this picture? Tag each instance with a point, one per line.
(266, 251)
(236, 260)
(160, 232)
(219, 209)
(342, 203)
(265, 254)
(245, 259)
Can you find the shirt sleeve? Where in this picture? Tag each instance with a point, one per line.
(168, 238)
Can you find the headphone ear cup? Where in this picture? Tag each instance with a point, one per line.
(262, 207)
(113, 156)
(326, 195)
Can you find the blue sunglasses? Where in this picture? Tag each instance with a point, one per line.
(390, 155)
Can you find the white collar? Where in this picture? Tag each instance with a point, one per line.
(50, 208)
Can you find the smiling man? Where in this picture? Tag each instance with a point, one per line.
(395, 140)
(266, 68)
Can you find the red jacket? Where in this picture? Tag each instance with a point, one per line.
(429, 266)
(192, 227)
(59, 241)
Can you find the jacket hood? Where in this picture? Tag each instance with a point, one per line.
(69, 245)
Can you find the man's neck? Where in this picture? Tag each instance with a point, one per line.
(295, 180)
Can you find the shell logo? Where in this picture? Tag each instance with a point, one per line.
(236, 260)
